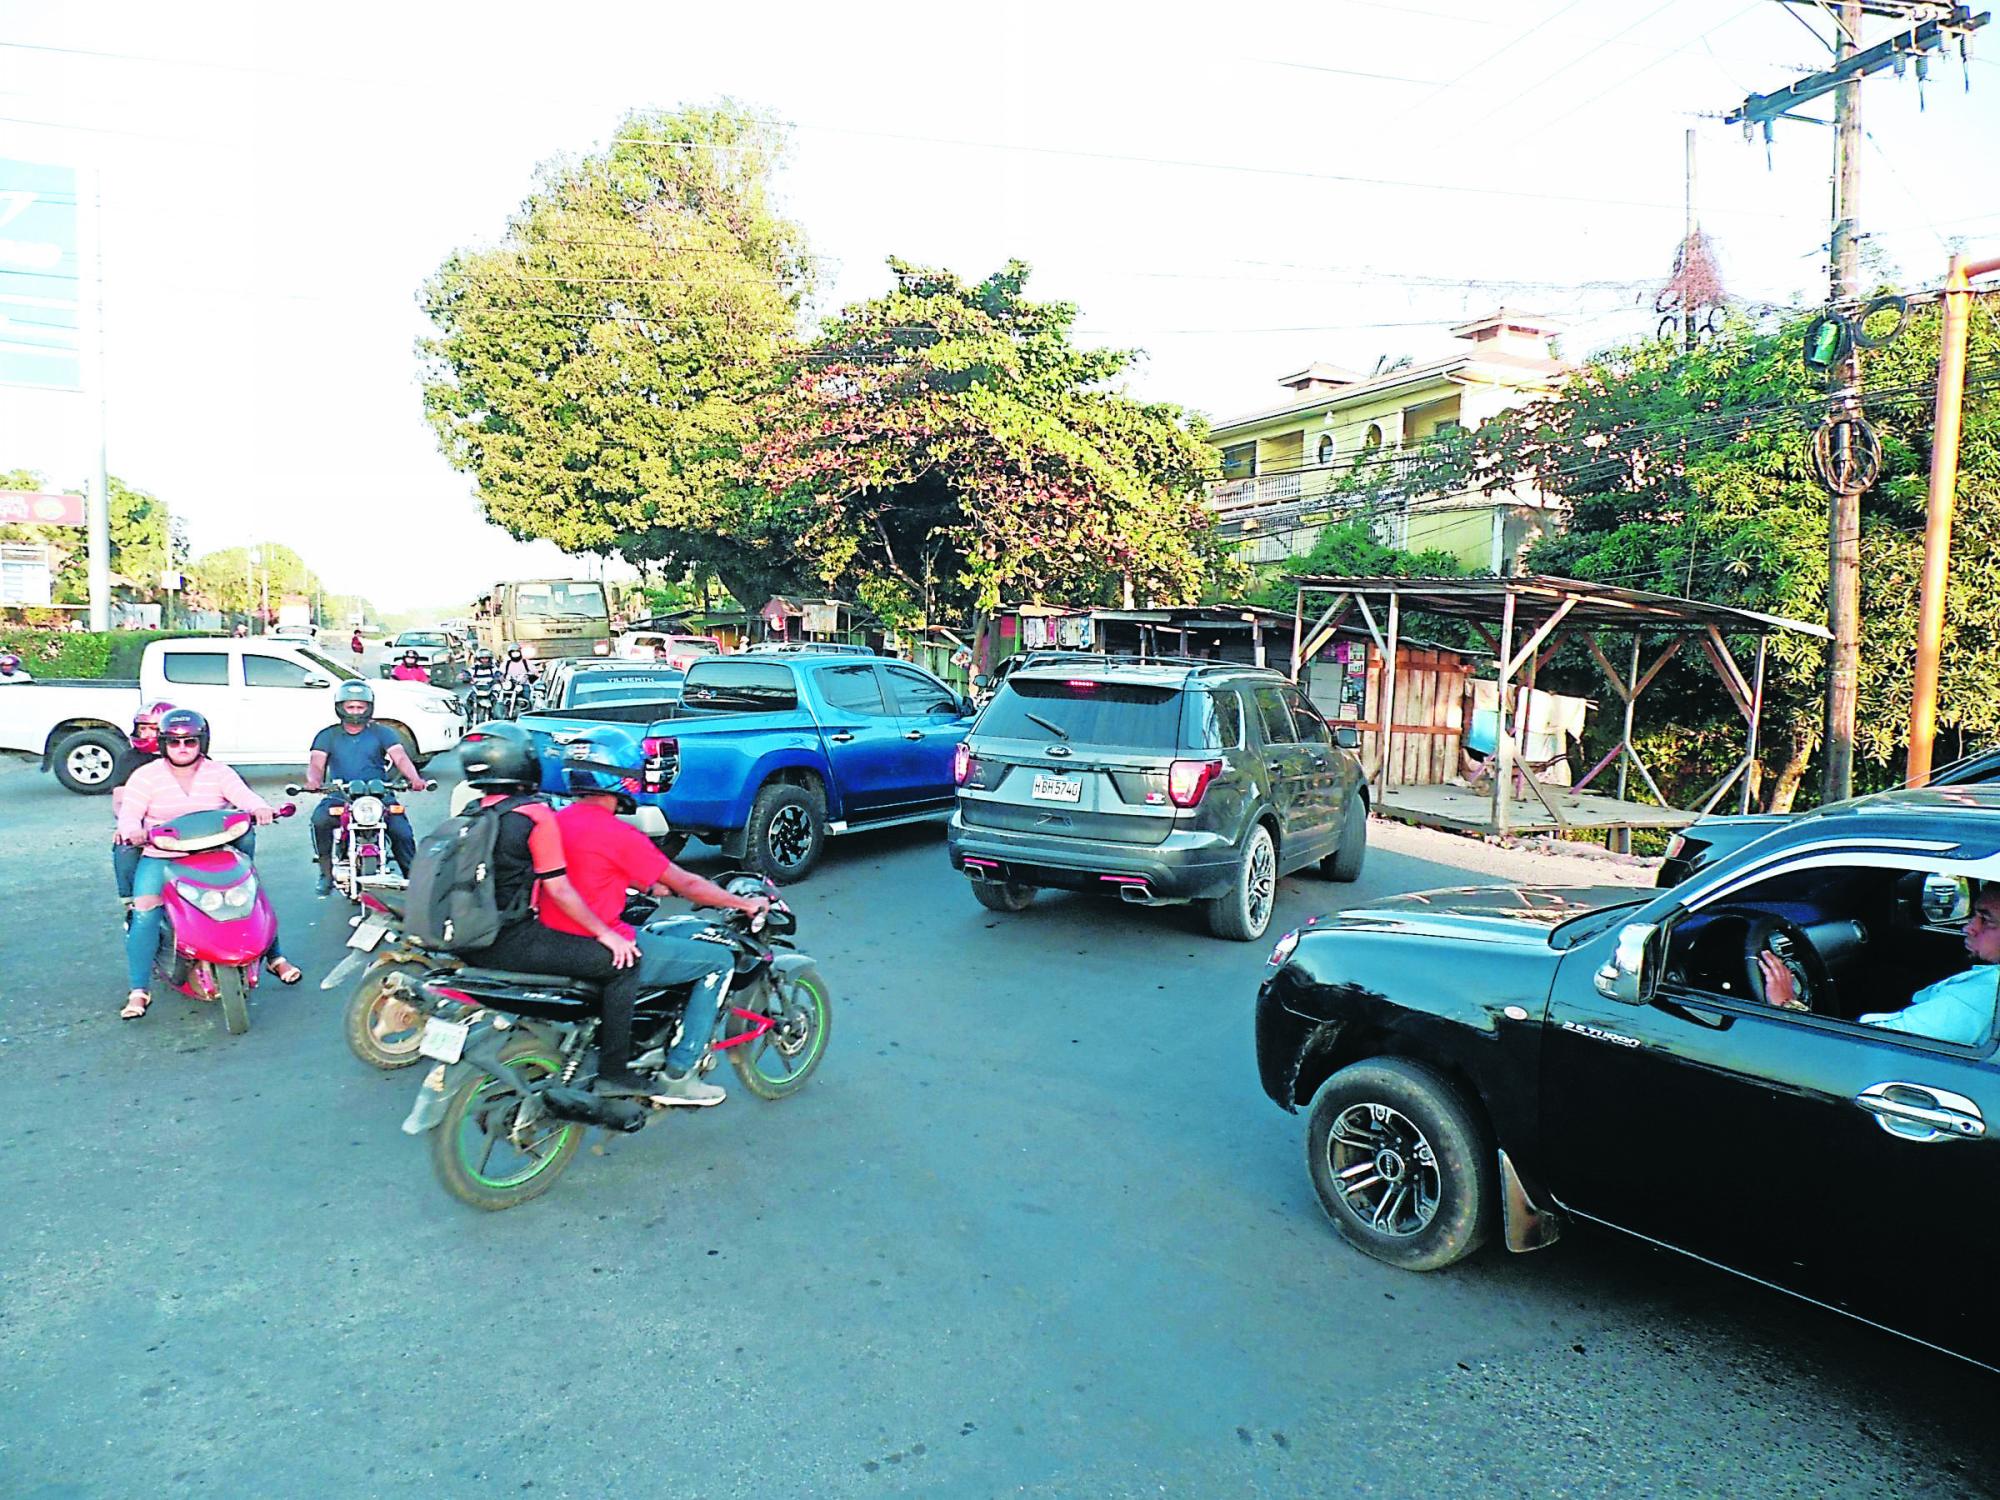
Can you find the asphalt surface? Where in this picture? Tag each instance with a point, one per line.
(1033, 1229)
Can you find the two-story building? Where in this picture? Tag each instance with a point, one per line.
(1342, 444)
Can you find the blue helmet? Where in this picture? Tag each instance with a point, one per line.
(589, 771)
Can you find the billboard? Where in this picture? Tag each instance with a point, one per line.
(39, 508)
(41, 277)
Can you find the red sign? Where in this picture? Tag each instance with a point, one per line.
(40, 508)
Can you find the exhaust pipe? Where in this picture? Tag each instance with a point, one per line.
(589, 1109)
(982, 869)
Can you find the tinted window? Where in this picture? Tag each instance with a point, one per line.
(852, 689)
(920, 695)
(1217, 722)
(267, 671)
(1088, 712)
(1272, 714)
(205, 668)
(624, 687)
(740, 686)
(1306, 719)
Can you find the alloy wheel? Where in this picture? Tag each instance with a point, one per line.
(1384, 1169)
(1260, 884)
(790, 837)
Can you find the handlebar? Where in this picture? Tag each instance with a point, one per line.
(347, 788)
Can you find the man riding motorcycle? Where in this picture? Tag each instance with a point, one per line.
(410, 669)
(606, 858)
(356, 748)
(183, 780)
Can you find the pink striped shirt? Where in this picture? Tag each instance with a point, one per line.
(154, 796)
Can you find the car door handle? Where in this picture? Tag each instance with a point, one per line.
(1319, 763)
(1918, 1112)
(914, 734)
(843, 738)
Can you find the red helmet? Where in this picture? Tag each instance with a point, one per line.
(146, 722)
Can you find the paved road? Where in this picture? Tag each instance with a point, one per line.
(1033, 1230)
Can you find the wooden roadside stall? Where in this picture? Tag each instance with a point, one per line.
(1524, 621)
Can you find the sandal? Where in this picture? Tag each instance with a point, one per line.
(284, 970)
(135, 1005)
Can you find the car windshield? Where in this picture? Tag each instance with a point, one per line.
(1087, 711)
(422, 638)
(560, 601)
(618, 688)
(337, 673)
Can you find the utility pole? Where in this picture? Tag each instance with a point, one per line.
(1925, 27)
(1687, 240)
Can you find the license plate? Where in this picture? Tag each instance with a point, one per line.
(1057, 789)
(444, 1041)
(367, 935)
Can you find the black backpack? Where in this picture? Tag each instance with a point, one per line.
(453, 902)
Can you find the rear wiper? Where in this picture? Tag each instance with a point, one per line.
(1055, 729)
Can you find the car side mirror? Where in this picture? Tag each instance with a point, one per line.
(317, 682)
(981, 681)
(1946, 899)
(1633, 970)
(1347, 737)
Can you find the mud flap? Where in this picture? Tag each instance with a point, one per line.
(433, 1094)
(354, 960)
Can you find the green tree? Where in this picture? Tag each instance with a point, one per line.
(947, 446)
(593, 371)
(1348, 548)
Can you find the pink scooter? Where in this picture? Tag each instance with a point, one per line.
(218, 922)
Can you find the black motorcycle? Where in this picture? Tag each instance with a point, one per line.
(513, 1089)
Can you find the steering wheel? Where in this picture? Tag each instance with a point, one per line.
(1795, 951)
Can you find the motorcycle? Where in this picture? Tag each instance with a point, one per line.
(515, 698)
(481, 699)
(503, 1101)
(361, 832)
(218, 923)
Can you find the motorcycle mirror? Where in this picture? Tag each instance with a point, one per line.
(294, 790)
(287, 810)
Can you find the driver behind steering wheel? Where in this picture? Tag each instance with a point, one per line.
(1958, 1008)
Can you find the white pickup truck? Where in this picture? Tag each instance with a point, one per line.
(265, 699)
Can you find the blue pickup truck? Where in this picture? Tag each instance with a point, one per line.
(773, 755)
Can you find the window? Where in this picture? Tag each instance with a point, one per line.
(271, 671)
(625, 687)
(1372, 440)
(560, 601)
(853, 689)
(1239, 461)
(718, 685)
(1307, 721)
(1325, 450)
(919, 695)
(197, 668)
(1086, 711)
(1217, 720)
(332, 669)
(1274, 717)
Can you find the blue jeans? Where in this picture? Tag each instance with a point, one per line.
(665, 960)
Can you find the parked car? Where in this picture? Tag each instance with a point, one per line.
(265, 698)
(1707, 840)
(1508, 1061)
(1159, 782)
(675, 650)
(435, 650)
(628, 691)
(775, 754)
(808, 648)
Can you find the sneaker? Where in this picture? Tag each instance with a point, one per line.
(688, 1089)
(323, 885)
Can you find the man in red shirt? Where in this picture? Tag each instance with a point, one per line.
(606, 858)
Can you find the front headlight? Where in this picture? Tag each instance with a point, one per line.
(1283, 951)
(208, 900)
(439, 705)
(239, 897)
(601, 648)
(366, 810)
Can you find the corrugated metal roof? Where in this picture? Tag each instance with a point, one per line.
(1539, 595)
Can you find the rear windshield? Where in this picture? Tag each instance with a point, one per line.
(621, 687)
(719, 685)
(1090, 713)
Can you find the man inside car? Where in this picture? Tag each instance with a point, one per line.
(1958, 1008)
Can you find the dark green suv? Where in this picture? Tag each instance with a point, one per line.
(1159, 782)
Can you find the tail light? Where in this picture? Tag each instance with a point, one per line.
(1187, 781)
(661, 754)
(961, 763)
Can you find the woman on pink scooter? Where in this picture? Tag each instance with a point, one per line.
(181, 781)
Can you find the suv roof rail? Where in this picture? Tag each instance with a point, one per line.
(1138, 659)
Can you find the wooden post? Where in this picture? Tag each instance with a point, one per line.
(1756, 716)
(1298, 631)
(1503, 742)
(1389, 695)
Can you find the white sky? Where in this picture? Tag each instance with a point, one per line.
(278, 180)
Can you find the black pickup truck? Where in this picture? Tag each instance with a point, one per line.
(1506, 1061)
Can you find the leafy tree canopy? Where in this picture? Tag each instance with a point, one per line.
(1349, 548)
(947, 447)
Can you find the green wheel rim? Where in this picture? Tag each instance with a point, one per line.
(765, 1048)
(475, 1152)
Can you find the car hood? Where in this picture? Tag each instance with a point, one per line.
(1485, 913)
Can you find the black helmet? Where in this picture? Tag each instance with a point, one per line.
(180, 723)
(354, 690)
(501, 758)
(410, 657)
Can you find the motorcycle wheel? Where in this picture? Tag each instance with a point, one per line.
(477, 1125)
(233, 994)
(373, 1032)
(778, 1063)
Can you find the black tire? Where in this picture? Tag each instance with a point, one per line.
(1244, 915)
(562, 1139)
(996, 895)
(1344, 864)
(1432, 1163)
(777, 1064)
(83, 761)
(787, 831)
(233, 999)
(367, 1038)
(673, 845)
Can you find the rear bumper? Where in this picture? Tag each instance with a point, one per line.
(1186, 866)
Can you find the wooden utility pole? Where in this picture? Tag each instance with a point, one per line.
(1843, 520)
(1937, 517)
(1688, 249)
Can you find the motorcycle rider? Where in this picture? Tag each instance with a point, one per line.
(501, 765)
(142, 751)
(410, 669)
(606, 858)
(183, 780)
(517, 678)
(11, 669)
(356, 748)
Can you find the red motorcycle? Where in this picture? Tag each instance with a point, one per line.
(218, 922)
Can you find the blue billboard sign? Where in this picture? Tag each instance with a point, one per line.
(41, 277)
